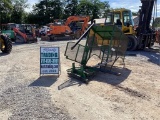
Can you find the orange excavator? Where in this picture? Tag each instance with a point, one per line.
(74, 27)
(25, 33)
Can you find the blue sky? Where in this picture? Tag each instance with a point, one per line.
(133, 5)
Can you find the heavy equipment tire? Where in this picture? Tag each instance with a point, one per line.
(51, 38)
(132, 43)
(8, 44)
(13, 39)
(19, 39)
(73, 36)
(77, 35)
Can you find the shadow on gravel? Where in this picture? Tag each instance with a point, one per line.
(100, 77)
(45, 81)
(132, 92)
(22, 44)
(113, 79)
(69, 83)
(3, 54)
(16, 44)
(153, 55)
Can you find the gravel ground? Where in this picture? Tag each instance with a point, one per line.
(19, 98)
(30, 103)
(135, 95)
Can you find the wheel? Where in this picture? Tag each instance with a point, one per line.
(132, 43)
(13, 39)
(7, 44)
(52, 38)
(19, 39)
(77, 35)
(73, 37)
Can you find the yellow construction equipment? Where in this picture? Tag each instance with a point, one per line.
(5, 44)
(141, 37)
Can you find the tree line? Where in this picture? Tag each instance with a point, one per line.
(45, 11)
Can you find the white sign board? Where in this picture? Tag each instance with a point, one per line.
(49, 60)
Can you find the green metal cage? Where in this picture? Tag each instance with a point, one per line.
(106, 42)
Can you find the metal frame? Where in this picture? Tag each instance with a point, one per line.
(86, 72)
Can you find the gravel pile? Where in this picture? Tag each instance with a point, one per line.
(30, 103)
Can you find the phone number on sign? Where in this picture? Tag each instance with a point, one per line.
(49, 71)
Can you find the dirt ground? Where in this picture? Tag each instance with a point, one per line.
(134, 95)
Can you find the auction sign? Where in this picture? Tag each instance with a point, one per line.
(49, 60)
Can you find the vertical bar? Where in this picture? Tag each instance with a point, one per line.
(77, 53)
(92, 45)
(66, 48)
(59, 64)
(113, 30)
(40, 61)
(159, 55)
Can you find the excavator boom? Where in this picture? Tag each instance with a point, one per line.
(75, 19)
(69, 28)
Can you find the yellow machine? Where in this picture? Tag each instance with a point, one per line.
(5, 44)
(140, 36)
(123, 19)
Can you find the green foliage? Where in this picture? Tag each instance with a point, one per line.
(94, 8)
(106, 8)
(5, 8)
(70, 8)
(18, 11)
(12, 11)
(45, 11)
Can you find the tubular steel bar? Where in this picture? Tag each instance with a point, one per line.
(82, 36)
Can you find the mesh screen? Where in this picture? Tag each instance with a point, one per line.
(106, 42)
(80, 53)
(76, 54)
